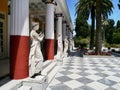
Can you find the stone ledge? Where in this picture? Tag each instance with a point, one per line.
(11, 85)
(25, 88)
(97, 56)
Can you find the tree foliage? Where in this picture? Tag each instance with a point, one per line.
(118, 26)
(119, 4)
(110, 29)
(85, 8)
(82, 28)
(116, 38)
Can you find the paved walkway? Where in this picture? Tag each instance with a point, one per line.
(4, 72)
(4, 66)
(79, 73)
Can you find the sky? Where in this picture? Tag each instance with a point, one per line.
(115, 15)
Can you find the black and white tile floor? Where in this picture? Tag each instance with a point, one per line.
(87, 74)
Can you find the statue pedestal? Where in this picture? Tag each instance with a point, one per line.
(59, 61)
(37, 83)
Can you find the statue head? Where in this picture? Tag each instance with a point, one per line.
(35, 25)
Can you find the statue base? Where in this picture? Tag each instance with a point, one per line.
(38, 83)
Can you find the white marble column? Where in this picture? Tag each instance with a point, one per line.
(19, 39)
(67, 31)
(59, 35)
(65, 39)
(59, 25)
(68, 35)
(64, 30)
(49, 31)
(70, 39)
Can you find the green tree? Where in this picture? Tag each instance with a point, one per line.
(77, 41)
(84, 7)
(118, 26)
(110, 29)
(82, 27)
(119, 4)
(98, 41)
(105, 23)
(116, 38)
(107, 5)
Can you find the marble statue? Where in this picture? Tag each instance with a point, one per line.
(65, 46)
(35, 56)
(59, 47)
(71, 44)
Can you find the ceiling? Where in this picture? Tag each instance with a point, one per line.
(38, 9)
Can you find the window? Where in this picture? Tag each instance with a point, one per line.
(2, 17)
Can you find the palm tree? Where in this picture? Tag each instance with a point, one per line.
(104, 24)
(98, 40)
(107, 5)
(94, 7)
(85, 8)
(119, 4)
(92, 27)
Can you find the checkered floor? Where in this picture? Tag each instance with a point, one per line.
(87, 74)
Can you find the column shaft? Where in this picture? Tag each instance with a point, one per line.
(59, 36)
(64, 30)
(64, 36)
(59, 27)
(49, 32)
(19, 39)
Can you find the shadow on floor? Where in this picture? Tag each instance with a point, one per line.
(4, 80)
(77, 53)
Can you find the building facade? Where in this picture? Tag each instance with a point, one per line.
(3, 28)
(16, 17)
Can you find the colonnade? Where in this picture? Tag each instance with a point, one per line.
(20, 41)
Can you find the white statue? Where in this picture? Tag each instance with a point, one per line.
(59, 47)
(65, 46)
(35, 57)
(71, 44)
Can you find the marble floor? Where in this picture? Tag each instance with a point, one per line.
(80, 73)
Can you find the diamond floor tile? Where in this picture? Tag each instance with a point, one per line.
(63, 78)
(84, 80)
(97, 86)
(107, 82)
(73, 84)
(84, 88)
(87, 74)
(60, 87)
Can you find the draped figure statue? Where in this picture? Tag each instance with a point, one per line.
(59, 47)
(35, 56)
(65, 46)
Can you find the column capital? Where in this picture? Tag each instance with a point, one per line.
(64, 22)
(49, 2)
(67, 26)
(59, 15)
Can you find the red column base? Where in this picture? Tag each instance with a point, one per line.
(19, 56)
(49, 49)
